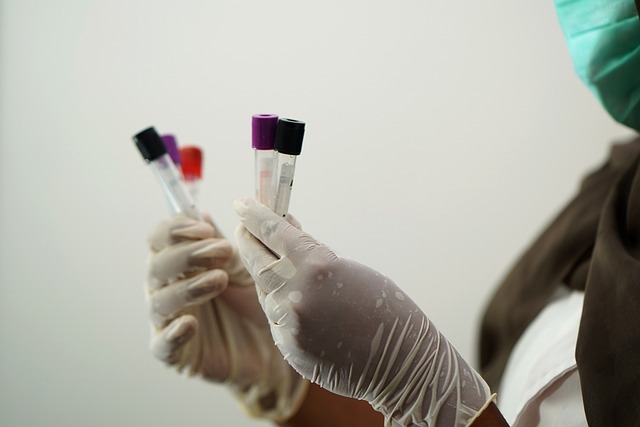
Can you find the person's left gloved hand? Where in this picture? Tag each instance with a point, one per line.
(351, 330)
(206, 318)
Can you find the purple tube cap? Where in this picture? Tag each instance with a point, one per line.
(263, 131)
(172, 147)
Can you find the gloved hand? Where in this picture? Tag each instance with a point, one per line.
(206, 317)
(351, 330)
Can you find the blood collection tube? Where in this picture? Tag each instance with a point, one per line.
(155, 154)
(263, 137)
(171, 145)
(191, 166)
(288, 146)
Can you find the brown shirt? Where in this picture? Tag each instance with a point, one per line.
(592, 245)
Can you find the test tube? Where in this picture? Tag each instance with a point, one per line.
(171, 144)
(263, 136)
(155, 154)
(288, 146)
(191, 167)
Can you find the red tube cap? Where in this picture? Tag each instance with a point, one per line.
(191, 165)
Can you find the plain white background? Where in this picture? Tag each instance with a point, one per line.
(441, 136)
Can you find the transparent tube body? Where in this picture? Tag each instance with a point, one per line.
(264, 165)
(192, 184)
(176, 192)
(283, 182)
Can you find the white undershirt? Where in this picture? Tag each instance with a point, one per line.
(541, 386)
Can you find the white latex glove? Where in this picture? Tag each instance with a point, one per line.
(351, 330)
(206, 317)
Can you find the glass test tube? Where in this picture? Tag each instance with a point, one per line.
(155, 154)
(263, 136)
(285, 171)
(288, 146)
(171, 144)
(191, 167)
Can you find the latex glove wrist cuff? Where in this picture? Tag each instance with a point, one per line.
(491, 400)
(434, 385)
(275, 402)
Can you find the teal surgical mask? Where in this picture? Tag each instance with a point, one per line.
(604, 41)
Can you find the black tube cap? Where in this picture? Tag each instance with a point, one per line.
(289, 135)
(150, 144)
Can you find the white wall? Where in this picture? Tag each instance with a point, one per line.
(440, 137)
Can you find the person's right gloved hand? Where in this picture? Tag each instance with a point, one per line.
(206, 318)
(352, 330)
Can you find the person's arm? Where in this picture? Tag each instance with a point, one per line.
(490, 417)
(322, 408)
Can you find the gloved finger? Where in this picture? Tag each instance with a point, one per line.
(166, 343)
(268, 271)
(238, 274)
(176, 229)
(275, 232)
(181, 258)
(209, 220)
(276, 310)
(293, 221)
(167, 302)
(254, 255)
